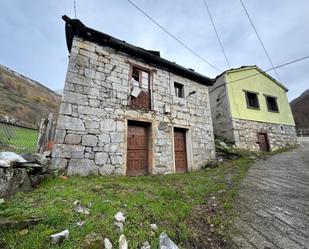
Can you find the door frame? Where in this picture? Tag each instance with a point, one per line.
(148, 125)
(188, 141)
(265, 133)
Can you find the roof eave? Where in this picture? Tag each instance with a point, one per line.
(76, 27)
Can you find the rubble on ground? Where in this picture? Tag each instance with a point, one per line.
(58, 238)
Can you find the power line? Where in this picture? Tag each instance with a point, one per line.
(259, 38)
(272, 68)
(214, 26)
(174, 37)
(75, 9)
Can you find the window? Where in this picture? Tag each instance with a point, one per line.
(140, 79)
(272, 105)
(140, 92)
(179, 91)
(252, 100)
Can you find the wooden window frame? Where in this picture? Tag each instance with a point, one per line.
(247, 100)
(150, 73)
(267, 104)
(182, 89)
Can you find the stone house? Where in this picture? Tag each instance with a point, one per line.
(251, 109)
(126, 110)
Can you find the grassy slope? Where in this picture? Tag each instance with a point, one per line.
(24, 101)
(190, 207)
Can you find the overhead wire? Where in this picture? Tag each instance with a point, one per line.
(259, 38)
(74, 8)
(272, 68)
(218, 37)
(173, 36)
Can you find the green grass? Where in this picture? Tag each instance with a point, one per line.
(17, 139)
(169, 201)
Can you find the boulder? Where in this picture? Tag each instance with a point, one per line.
(120, 217)
(166, 243)
(58, 238)
(123, 244)
(107, 244)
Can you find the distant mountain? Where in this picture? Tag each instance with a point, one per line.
(300, 110)
(24, 99)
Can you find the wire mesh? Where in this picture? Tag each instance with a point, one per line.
(17, 139)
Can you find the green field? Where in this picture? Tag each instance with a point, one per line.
(17, 139)
(194, 208)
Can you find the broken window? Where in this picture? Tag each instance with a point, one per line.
(179, 90)
(252, 100)
(272, 104)
(140, 93)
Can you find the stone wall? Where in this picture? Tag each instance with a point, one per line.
(92, 126)
(245, 134)
(220, 110)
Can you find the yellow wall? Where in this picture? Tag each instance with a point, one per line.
(263, 85)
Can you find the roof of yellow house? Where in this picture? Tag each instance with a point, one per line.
(242, 68)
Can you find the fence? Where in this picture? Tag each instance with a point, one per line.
(22, 139)
(302, 132)
(17, 138)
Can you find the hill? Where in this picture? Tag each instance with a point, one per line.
(300, 110)
(24, 99)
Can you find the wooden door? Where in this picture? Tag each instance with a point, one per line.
(263, 142)
(137, 156)
(180, 150)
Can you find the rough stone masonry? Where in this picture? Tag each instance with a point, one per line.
(91, 134)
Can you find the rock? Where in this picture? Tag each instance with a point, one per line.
(20, 223)
(23, 232)
(8, 158)
(120, 217)
(224, 145)
(93, 241)
(47, 153)
(38, 158)
(82, 210)
(70, 123)
(58, 238)
(166, 243)
(13, 180)
(107, 244)
(68, 151)
(82, 167)
(118, 226)
(73, 139)
(123, 242)
(80, 223)
(146, 245)
(77, 202)
(154, 227)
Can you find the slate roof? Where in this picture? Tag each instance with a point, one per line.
(75, 27)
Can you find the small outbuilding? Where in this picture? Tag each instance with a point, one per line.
(126, 110)
(251, 109)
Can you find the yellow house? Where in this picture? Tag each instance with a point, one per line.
(251, 109)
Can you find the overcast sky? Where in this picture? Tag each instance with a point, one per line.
(32, 40)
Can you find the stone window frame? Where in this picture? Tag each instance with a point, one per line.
(182, 89)
(266, 100)
(247, 99)
(130, 83)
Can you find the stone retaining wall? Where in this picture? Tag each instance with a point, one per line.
(245, 134)
(92, 126)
